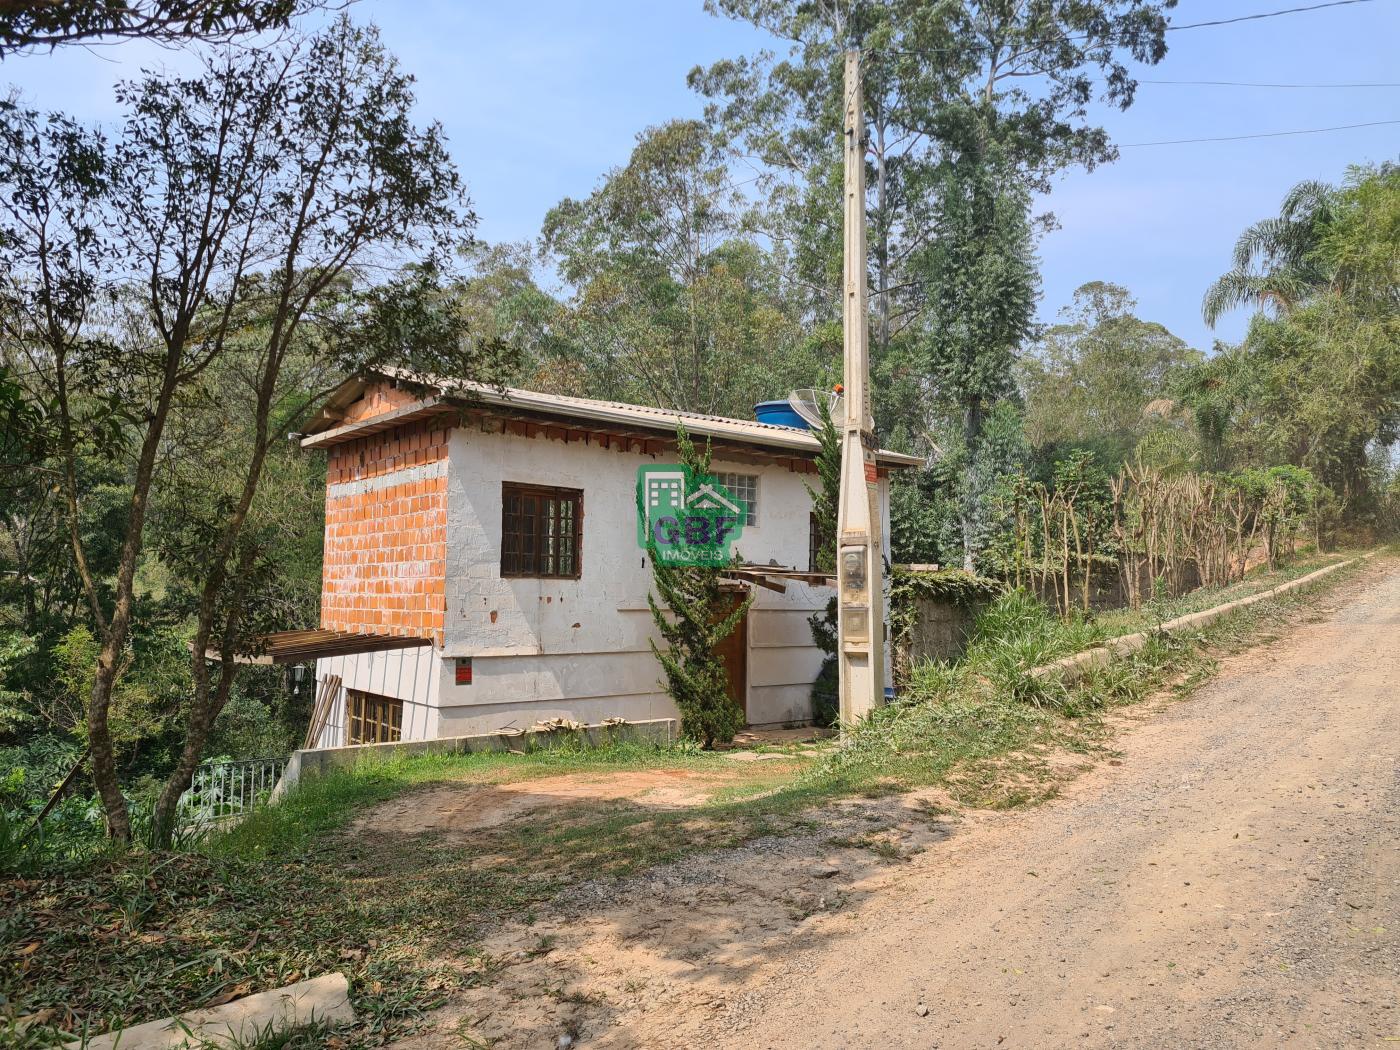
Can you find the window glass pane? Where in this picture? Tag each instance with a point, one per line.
(745, 487)
(372, 719)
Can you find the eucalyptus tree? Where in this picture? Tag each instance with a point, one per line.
(674, 303)
(1088, 380)
(939, 79)
(978, 101)
(238, 223)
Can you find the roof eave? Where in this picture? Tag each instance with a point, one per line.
(321, 433)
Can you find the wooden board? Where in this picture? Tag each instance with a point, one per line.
(321, 711)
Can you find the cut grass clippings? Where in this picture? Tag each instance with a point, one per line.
(287, 895)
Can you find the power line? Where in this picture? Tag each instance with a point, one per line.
(965, 48)
(1259, 135)
(1268, 14)
(1265, 84)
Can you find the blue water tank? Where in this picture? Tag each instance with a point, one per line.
(778, 413)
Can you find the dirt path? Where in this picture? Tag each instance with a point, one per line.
(1232, 879)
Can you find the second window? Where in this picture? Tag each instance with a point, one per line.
(541, 531)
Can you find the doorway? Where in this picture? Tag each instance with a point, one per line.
(734, 654)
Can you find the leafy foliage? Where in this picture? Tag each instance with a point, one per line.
(1316, 382)
(676, 304)
(826, 498)
(54, 23)
(1103, 379)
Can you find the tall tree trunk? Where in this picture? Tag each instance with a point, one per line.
(205, 707)
(114, 630)
(971, 504)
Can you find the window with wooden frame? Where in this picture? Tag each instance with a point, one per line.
(371, 718)
(814, 541)
(541, 531)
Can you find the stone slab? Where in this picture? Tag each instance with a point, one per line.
(324, 1000)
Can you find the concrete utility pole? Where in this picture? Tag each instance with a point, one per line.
(859, 565)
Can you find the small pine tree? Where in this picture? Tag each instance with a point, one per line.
(701, 617)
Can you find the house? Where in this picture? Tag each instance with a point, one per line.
(483, 571)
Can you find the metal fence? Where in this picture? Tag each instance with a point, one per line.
(223, 791)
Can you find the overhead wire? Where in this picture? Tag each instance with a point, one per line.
(1258, 135)
(964, 48)
(1265, 84)
(1268, 14)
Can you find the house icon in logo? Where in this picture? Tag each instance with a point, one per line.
(691, 517)
(707, 497)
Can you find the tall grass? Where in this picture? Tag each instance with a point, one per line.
(985, 703)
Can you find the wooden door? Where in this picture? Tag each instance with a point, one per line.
(734, 653)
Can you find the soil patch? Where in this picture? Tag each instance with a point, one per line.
(454, 809)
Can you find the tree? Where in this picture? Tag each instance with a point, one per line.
(1277, 262)
(826, 499)
(39, 25)
(972, 106)
(1316, 381)
(503, 305)
(701, 615)
(1090, 380)
(233, 220)
(983, 286)
(931, 70)
(673, 306)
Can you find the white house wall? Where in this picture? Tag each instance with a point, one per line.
(544, 648)
(412, 675)
(580, 647)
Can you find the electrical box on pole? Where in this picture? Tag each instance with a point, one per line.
(859, 562)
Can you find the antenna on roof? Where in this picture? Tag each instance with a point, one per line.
(806, 403)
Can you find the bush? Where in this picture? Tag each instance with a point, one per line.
(826, 694)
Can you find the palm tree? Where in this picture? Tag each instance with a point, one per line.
(1277, 261)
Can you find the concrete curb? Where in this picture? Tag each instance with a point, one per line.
(316, 761)
(324, 999)
(1070, 669)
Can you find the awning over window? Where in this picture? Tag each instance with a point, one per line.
(294, 647)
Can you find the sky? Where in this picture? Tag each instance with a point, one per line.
(539, 98)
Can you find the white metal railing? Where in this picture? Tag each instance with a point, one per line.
(223, 791)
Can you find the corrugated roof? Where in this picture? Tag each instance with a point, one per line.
(324, 431)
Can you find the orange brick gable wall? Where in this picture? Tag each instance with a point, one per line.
(385, 560)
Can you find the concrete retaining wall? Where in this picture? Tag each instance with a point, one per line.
(1071, 668)
(322, 760)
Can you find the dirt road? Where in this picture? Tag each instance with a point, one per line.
(1232, 879)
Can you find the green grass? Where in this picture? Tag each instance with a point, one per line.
(131, 936)
(979, 725)
(324, 804)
